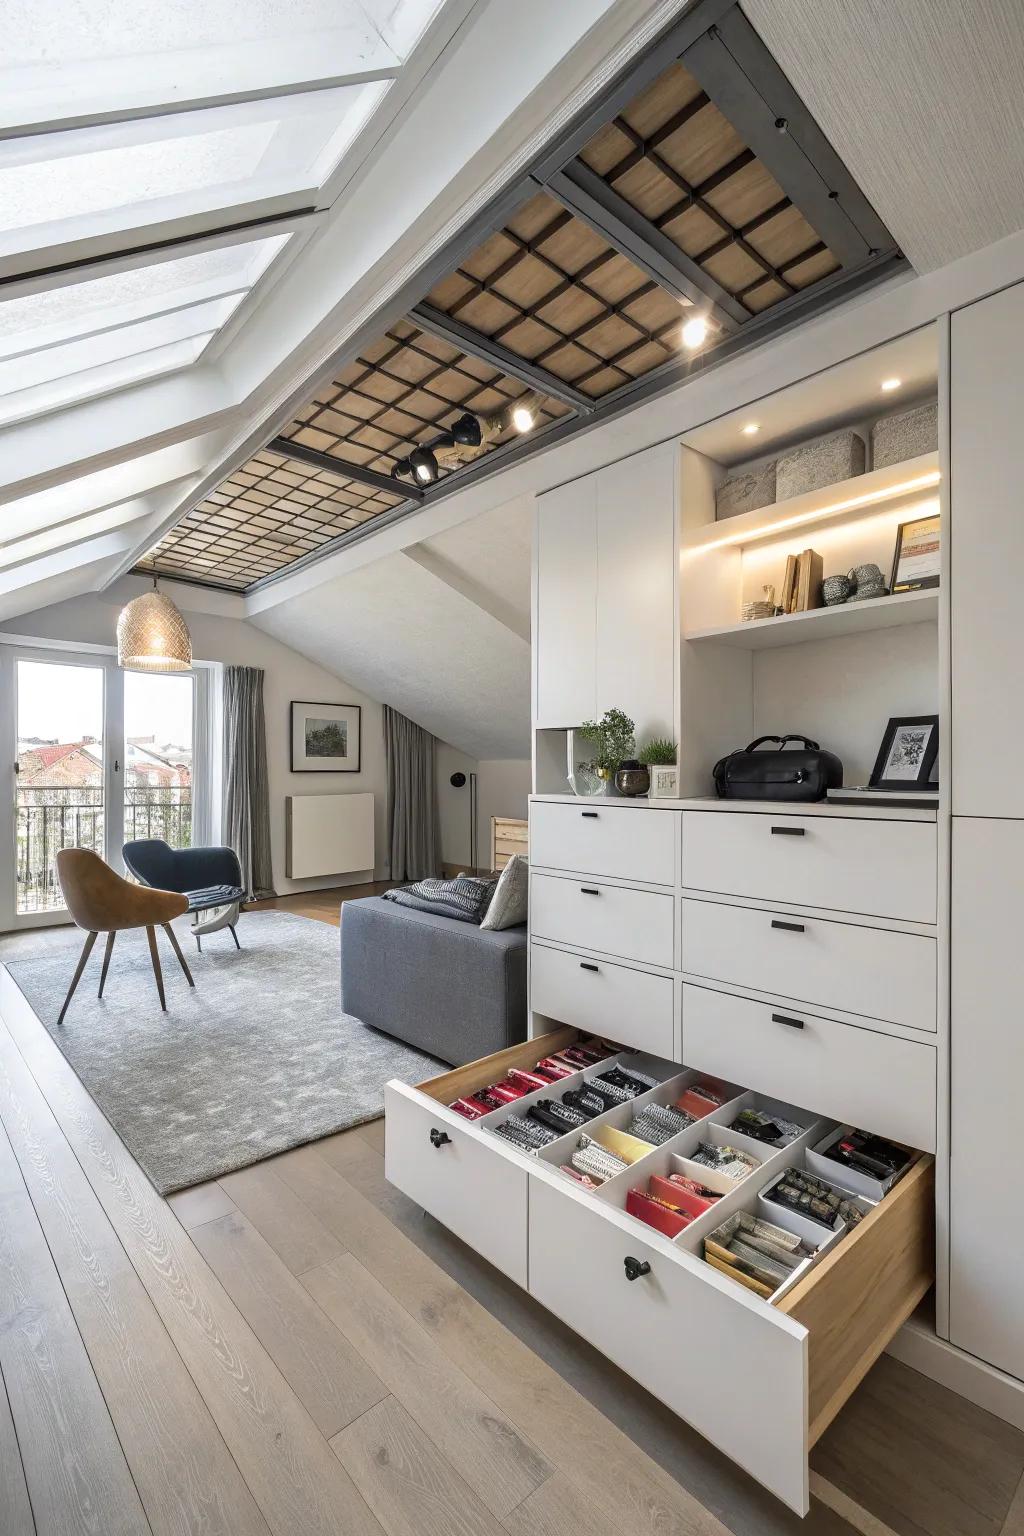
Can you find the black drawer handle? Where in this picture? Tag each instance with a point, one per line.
(590, 815)
(788, 831)
(589, 890)
(585, 965)
(787, 927)
(783, 1018)
(438, 1138)
(635, 1267)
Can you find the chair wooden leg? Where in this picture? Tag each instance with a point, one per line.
(177, 950)
(234, 935)
(106, 959)
(90, 940)
(151, 936)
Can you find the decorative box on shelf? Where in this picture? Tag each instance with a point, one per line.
(827, 460)
(745, 491)
(905, 435)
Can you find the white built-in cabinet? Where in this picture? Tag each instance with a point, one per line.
(986, 1312)
(605, 630)
(987, 554)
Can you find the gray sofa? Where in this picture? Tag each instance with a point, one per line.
(450, 988)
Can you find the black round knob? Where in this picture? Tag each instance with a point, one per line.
(635, 1267)
(438, 1138)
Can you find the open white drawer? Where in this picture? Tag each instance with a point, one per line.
(761, 1380)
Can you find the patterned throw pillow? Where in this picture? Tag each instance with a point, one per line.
(466, 899)
(508, 906)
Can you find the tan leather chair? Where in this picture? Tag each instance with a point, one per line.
(100, 901)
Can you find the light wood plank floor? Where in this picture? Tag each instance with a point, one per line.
(296, 1350)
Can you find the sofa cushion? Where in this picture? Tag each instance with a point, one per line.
(508, 908)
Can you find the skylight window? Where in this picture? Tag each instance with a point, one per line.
(89, 383)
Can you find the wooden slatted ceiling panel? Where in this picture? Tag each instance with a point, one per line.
(402, 390)
(553, 291)
(674, 158)
(262, 518)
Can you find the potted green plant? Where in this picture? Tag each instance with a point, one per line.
(615, 742)
(661, 757)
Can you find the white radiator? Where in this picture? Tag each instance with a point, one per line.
(328, 835)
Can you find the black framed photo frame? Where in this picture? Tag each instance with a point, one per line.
(326, 738)
(907, 756)
(915, 564)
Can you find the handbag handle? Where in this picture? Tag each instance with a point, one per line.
(811, 746)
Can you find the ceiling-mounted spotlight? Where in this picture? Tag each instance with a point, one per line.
(695, 333)
(523, 418)
(466, 431)
(423, 465)
(399, 468)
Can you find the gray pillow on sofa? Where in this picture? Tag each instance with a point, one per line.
(508, 906)
(466, 898)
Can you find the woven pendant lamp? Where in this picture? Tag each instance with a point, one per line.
(152, 636)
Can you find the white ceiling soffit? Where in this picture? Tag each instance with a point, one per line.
(924, 102)
(437, 656)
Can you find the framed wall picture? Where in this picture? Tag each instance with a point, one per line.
(916, 562)
(906, 759)
(325, 737)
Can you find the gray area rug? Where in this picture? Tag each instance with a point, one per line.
(256, 1059)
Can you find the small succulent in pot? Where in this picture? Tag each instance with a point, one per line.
(614, 738)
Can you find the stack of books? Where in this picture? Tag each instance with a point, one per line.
(801, 586)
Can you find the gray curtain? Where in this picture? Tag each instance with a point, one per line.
(413, 840)
(246, 786)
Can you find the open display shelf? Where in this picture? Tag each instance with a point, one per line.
(826, 623)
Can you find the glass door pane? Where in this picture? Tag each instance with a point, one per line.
(61, 772)
(158, 757)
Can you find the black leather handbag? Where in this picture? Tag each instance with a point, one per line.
(801, 773)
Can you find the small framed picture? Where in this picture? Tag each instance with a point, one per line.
(906, 758)
(325, 737)
(916, 562)
(664, 782)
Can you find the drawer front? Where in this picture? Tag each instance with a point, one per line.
(685, 1333)
(880, 868)
(873, 971)
(613, 919)
(622, 843)
(470, 1182)
(872, 1080)
(634, 1007)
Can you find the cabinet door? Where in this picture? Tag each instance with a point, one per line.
(637, 637)
(987, 547)
(565, 622)
(987, 1069)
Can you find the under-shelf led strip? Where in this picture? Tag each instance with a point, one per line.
(869, 498)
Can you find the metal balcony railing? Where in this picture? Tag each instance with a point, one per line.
(51, 817)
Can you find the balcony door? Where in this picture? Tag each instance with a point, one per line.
(101, 756)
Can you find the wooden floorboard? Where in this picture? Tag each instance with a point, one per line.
(15, 1510)
(327, 1375)
(298, 1237)
(75, 1470)
(297, 1481)
(184, 1474)
(500, 1463)
(411, 1487)
(204, 1202)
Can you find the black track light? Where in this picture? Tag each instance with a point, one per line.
(399, 468)
(466, 430)
(423, 465)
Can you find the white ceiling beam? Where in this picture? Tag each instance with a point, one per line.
(77, 530)
(47, 98)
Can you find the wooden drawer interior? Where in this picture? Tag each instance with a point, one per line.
(490, 1069)
(853, 1302)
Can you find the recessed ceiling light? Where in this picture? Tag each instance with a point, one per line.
(522, 418)
(751, 429)
(890, 384)
(695, 333)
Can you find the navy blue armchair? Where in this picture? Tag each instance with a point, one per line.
(209, 877)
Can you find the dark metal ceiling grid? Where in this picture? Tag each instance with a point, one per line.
(698, 184)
